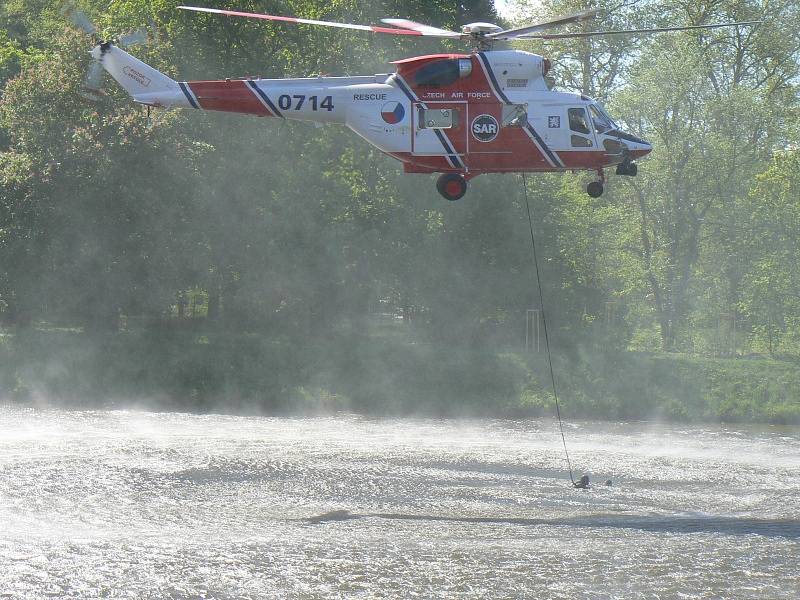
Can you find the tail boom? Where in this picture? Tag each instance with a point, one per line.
(310, 99)
(318, 99)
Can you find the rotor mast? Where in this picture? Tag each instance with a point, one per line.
(477, 35)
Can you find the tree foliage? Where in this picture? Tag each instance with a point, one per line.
(295, 231)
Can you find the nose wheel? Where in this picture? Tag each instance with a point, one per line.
(452, 186)
(627, 167)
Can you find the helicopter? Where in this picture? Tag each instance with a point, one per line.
(459, 115)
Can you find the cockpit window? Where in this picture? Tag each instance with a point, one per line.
(577, 120)
(602, 122)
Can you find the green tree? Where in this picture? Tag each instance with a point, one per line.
(770, 296)
(98, 233)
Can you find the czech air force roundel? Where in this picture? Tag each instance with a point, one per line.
(485, 128)
(393, 112)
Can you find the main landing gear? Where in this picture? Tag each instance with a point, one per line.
(452, 186)
(595, 188)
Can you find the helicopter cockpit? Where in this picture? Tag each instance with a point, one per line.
(590, 124)
(615, 140)
(602, 122)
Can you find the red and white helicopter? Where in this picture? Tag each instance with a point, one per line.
(489, 111)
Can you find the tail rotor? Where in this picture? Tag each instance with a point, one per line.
(93, 80)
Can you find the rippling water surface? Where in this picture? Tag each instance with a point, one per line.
(164, 505)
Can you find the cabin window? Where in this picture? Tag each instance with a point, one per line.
(440, 73)
(438, 118)
(581, 142)
(578, 121)
(613, 146)
(515, 115)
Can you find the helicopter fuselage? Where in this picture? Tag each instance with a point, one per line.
(484, 112)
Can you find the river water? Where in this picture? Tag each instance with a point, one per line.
(163, 505)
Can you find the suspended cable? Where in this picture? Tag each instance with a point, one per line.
(544, 326)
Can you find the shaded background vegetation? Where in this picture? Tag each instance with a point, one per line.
(212, 261)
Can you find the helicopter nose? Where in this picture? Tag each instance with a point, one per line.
(636, 145)
(645, 147)
(641, 148)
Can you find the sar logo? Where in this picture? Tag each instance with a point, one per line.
(484, 128)
(393, 112)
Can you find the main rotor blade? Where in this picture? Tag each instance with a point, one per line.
(234, 13)
(584, 34)
(423, 29)
(584, 15)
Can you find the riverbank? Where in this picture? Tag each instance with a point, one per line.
(244, 373)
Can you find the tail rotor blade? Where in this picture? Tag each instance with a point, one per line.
(135, 37)
(154, 31)
(94, 76)
(79, 18)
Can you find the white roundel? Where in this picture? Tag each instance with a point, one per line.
(484, 128)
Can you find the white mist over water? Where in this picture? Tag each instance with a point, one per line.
(165, 505)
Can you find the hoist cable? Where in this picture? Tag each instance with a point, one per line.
(544, 326)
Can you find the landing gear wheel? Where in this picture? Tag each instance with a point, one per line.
(595, 189)
(451, 186)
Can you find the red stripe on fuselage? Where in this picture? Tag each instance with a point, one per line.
(228, 95)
